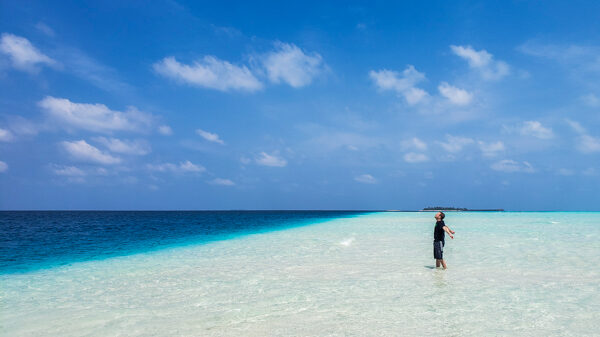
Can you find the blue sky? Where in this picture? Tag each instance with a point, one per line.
(267, 105)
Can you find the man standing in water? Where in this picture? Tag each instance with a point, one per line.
(438, 239)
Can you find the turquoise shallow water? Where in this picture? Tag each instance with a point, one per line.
(523, 274)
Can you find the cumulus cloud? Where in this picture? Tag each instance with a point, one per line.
(182, 167)
(165, 130)
(3, 167)
(366, 179)
(413, 157)
(588, 144)
(68, 171)
(211, 137)
(576, 126)
(511, 166)
(272, 160)
(414, 143)
(491, 149)
(289, 64)
(455, 143)
(5, 135)
(482, 61)
(222, 182)
(585, 143)
(455, 95)
(83, 151)
(403, 84)
(536, 129)
(133, 147)
(209, 72)
(23, 55)
(94, 117)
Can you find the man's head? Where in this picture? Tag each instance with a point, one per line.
(440, 216)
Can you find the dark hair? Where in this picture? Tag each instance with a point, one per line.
(442, 215)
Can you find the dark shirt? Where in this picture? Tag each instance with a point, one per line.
(438, 232)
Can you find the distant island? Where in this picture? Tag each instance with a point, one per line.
(459, 209)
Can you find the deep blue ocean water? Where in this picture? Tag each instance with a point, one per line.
(37, 239)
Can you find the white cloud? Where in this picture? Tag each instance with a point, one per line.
(483, 62)
(455, 95)
(44, 28)
(68, 171)
(23, 55)
(94, 117)
(165, 130)
(289, 64)
(591, 100)
(536, 129)
(491, 149)
(511, 166)
(83, 151)
(403, 84)
(414, 143)
(413, 157)
(588, 144)
(5, 135)
(455, 144)
(3, 166)
(21, 126)
(187, 166)
(576, 126)
(182, 167)
(211, 137)
(270, 160)
(221, 181)
(580, 59)
(365, 179)
(89, 69)
(210, 72)
(134, 147)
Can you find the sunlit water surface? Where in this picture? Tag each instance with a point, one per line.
(523, 274)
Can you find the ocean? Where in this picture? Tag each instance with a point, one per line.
(293, 273)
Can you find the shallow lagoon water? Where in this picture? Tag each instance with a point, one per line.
(524, 274)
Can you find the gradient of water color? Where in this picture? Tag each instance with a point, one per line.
(40, 239)
(524, 274)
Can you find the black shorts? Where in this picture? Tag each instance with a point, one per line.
(438, 250)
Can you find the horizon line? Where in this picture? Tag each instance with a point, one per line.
(277, 210)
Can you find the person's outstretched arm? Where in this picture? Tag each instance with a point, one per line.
(449, 231)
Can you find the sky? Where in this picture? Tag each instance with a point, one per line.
(176, 105)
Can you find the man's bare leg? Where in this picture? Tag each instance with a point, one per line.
(443, 264)
(437, 263)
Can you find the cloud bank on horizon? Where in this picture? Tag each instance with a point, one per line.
(263, 112)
